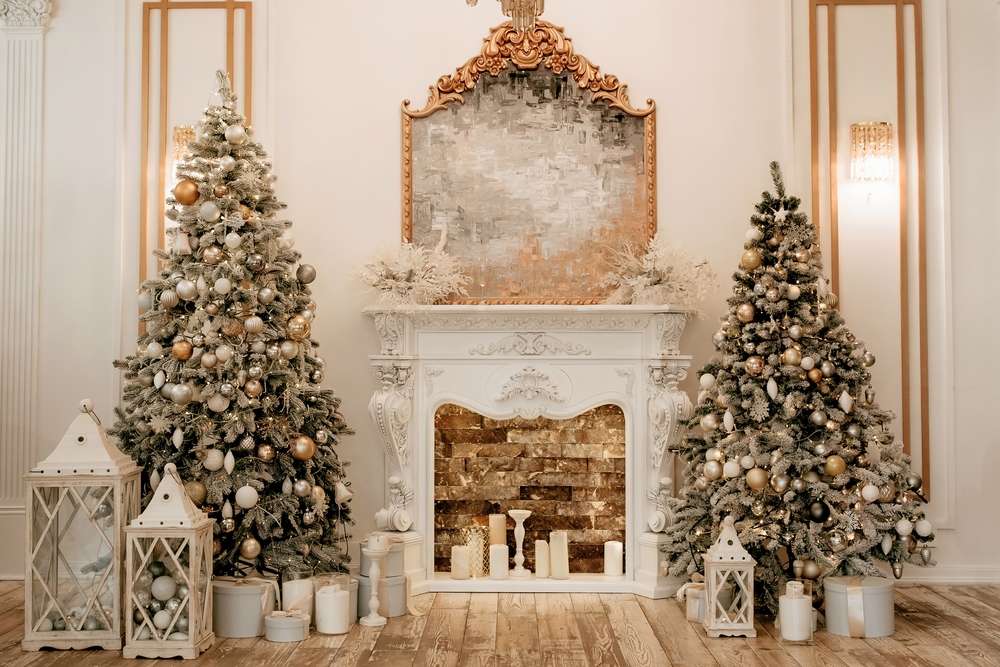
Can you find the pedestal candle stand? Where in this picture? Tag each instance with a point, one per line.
(519, 517)
(376, 548)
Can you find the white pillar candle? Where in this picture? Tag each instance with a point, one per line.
(333, 610)
(498, 529)
(559, 554)
(795, 615)
(614, 559)
(499, 555)
(541, 559)
(297, 595)
(460, 565)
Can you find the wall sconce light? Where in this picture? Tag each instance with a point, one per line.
(873, 153)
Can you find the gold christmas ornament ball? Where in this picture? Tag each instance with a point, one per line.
(303, 448)
(810, 569)
(186, 192)
(245, 212)
(835, 465)
(713, 470)
(182, 350)
(253, 388)
(298, 328)
(232, 328)
(887, 492)
(791, 357)
(196, 491)
(755, 365)
(780, 483)
(815, 375)
(250, 548)
(745, 312)
(751, 259)
(757, 479)
(212, 254)
(265, 452)
(220, 190)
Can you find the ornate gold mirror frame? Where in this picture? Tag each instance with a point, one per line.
(506, 50)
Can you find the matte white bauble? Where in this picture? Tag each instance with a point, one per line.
(923, 528)
(218, 403)
(233, 240)
(154, 350)
(731, 468)
(710, 422)
(163, 588)
(846, 402)
(870, 492)
(162, 619)
(793, 292)
(707, 381)
(754, 234)
(224, 353)
(246, 497)
(236, 134)
(904, 527)
(187, 290)
(747, 462)
(181, 394)
(209, 211)
(229, 463)
(808, 363)
(222, 286)
(214, 459)
(208, 360)
(227, 163)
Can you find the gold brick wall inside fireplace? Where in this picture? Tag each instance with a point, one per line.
(570, 473)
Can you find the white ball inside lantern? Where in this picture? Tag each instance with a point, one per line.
(214, 459)
(163, 588)
(246, 497)
(162, 619)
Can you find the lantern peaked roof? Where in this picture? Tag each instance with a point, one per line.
(170, 506)
(728, 548)
(85, 449)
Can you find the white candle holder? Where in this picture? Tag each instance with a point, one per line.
(375, 548)
(519, 516)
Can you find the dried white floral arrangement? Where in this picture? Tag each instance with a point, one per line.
(413, 275)
(658, 274)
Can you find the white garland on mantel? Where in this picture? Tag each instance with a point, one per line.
(412, 275)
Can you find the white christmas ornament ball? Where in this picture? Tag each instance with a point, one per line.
(904, 527)
(163, 588)
(808, 363)
(162, 619)
(227, 163)
(224, 353)
(209, 211)
(747, 462)
(218, 403)
(187, 290)
(222, 286)
(236, 134)
(181, 394)
(710, 422)
(731, 468)
(214, 459)
(793, 292)
(870, 492)
(707, 381)
(923, 528)
(754, 234)
(154, 349)
(145, 300)
(233, 240)
(246, 497)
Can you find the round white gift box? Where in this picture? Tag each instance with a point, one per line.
(286, 626)
(868, 601)
(239, 606)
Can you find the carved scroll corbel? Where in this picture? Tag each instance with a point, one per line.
(669, 408)
(391, 408)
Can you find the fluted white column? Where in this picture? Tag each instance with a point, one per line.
(22, 34)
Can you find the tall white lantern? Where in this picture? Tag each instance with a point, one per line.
(78, 501)
(168, 568)
(729, 586)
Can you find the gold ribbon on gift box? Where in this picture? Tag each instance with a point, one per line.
(855, 606)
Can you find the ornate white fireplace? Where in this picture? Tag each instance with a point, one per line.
(529, 361)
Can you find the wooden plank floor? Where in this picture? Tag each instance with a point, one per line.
(935, 625)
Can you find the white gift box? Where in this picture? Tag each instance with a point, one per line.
(859, 606)
(286, 626)
(694, 595)
(239, 605)
(391, 565)
(391, 596)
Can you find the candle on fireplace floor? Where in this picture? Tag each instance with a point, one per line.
(541, 559)
(559, 554)
(332, 610)
(499, 555)
(460, 565)
(498, 529)
(614, 559)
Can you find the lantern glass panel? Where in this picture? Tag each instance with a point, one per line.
(73, 564)
(734, 599)
(160, 600)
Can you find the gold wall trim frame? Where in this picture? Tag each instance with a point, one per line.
(901, 132)
(163, 8)
(544, 45)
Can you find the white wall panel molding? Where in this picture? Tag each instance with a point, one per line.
(22, 34)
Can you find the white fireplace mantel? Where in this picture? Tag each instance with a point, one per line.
(529, 361)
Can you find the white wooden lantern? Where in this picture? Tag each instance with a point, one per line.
(729, 586)
(168, 567)
(79, 500)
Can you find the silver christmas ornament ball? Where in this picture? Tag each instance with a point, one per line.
(227, 389)
(799, 485)
(913, 481)
(818, 418)
(236, 134)
(302, 488)
(266, 295)
(795, 332)
(227, 525)
(309, 517)
(305, 274)
(321, 437)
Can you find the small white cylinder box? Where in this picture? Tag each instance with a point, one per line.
(859, 606)
(391, 595)
(239, 605)
(286, 626)
(391, 565)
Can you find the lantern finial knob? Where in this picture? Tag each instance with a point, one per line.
(87, 405)
(729, 521)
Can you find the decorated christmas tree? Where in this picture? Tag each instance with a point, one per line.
(226, 381)
(788, 436)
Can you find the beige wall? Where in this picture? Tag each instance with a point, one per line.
(331, 75)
